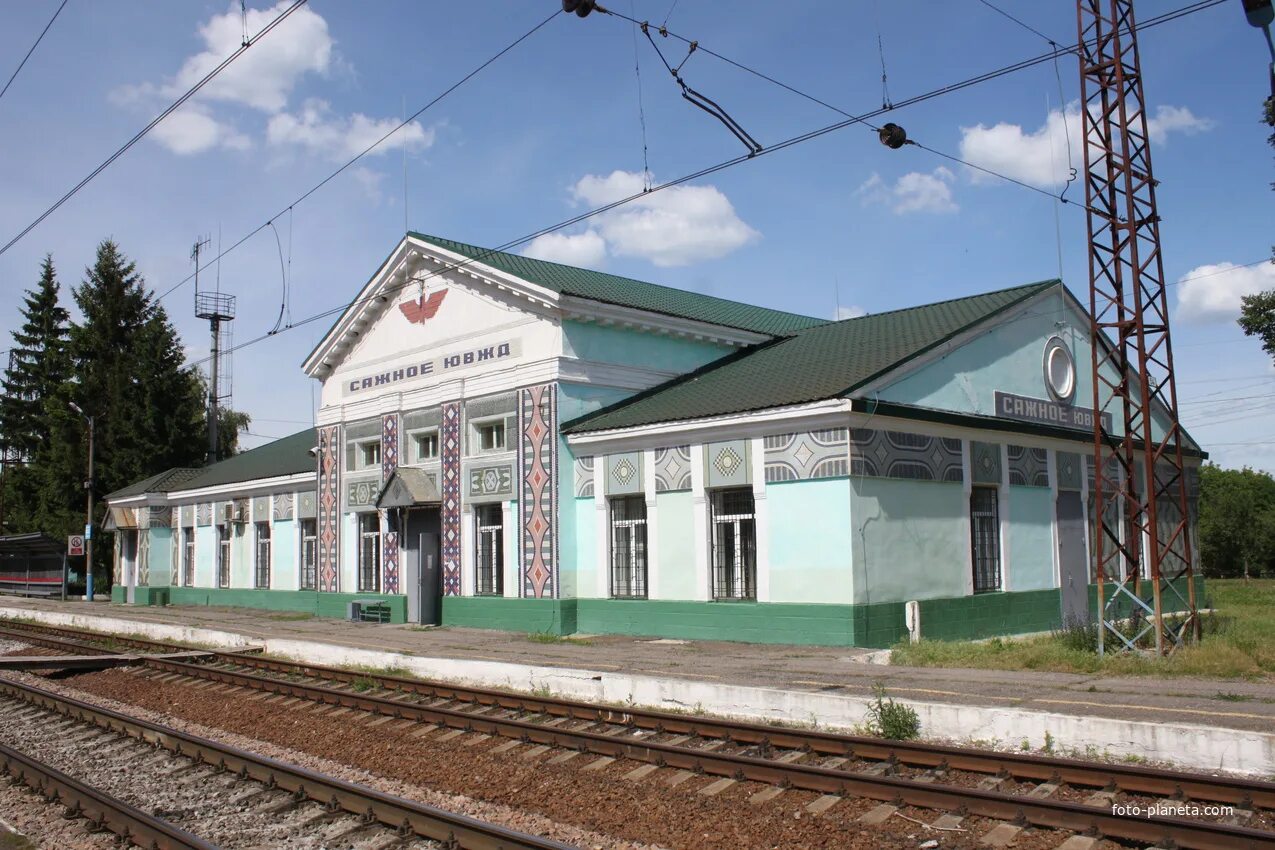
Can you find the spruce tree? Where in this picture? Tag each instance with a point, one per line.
(38, 367)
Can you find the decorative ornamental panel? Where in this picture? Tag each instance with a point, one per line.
(157, 517)
(329, 504)
(624, 474)
(672, 469)
(260, 508)
(538, 496)
(1068, 470)
(1028, 467)
(389, 463)
(307, 504)
(188, 516)
(283, 503)
(361, 494)
(449, 469)
(143, 559)
(491, 483)
(985, 462)
(727, 464)
(203, 514)
(584, 477)
(898, 454)
(807, 455)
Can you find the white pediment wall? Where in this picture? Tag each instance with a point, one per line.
(481, 339)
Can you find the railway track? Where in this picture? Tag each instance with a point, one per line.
(1044, 791)
(228, 796)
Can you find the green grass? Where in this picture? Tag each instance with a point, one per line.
(289, 616)
(547, 637)
(1239, 643)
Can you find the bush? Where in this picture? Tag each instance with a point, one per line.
(890, 719)
(1079, 634)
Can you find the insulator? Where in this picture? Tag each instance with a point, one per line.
(893, 136)
(581, 7)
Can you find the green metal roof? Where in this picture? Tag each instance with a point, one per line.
(169, 479)
(828, 361)
(286, 456)
(626, 292)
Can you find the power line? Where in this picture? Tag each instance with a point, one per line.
(155, 121)
(711, 169)
(1025, 26)
(38, 39)
(316, 187)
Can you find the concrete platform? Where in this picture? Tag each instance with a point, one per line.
(1210, 724)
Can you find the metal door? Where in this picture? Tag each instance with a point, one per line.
(422, 582)
(1073, 565)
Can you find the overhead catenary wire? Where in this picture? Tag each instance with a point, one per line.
(173, 107)
(316, 187)
(801, 138)
(38, 39)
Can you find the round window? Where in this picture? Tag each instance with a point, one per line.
(1060, 370)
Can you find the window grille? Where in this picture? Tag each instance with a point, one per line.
(309, 553)
(985, 537)
(263, 555)
(734, 538)
(628, 547)
(188, 546)
(489, 520)
(223, 555)
(370, 552)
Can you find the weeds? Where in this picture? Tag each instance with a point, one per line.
(889, 719)
(362, 685)
(549, 637)
(1227, 696)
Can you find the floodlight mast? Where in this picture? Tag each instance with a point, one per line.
(1138, 467)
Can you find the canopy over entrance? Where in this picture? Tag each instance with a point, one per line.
(408, 487)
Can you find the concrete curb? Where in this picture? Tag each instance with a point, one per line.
(1185, 744)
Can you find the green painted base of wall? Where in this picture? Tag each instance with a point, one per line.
(548, 616)
(333, 605)
(754, 622)
(117, 593)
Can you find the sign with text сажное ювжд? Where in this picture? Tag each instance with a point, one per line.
(436, 366)
(1045, 412)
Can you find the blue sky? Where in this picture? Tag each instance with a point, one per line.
(552, 129)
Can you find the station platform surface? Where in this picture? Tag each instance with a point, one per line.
(841, 671)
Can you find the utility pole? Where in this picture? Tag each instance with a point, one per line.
(1137, 471)
(88, 515)
(216, 308)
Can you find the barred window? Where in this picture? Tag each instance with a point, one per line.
(985, 537)
(188, 562)
(628, 547)
(734, 537)
(489, 520)
(370, 552)
(223, 555)
(309, 553)
(263, 555)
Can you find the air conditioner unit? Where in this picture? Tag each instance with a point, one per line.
(228, 513)
(240, 515)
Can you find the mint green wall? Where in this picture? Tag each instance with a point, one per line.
(284, 572)
(1031, 538)
(161, 556)
(601, 344)
(241, 555)
(206, 556)
(910, 539)
(1009, 358)
(810, 541)
(574, 552)
(584, 578)
(676, 545)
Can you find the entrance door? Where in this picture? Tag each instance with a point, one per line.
(423, 579)
(128, 554)
(1072, 561)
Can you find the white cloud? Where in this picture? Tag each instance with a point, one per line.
(315, 127)
(852, 311)
(266, 73)
(1175, 119)
(587, 249)
(913, 192)
(1039, 157)
(1211, 293)
(674, 227)
(192, 129)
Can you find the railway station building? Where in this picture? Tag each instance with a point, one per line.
(509, 443)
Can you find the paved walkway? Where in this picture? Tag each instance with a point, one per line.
(829, 670)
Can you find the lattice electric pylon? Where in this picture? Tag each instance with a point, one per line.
(1141, 510)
